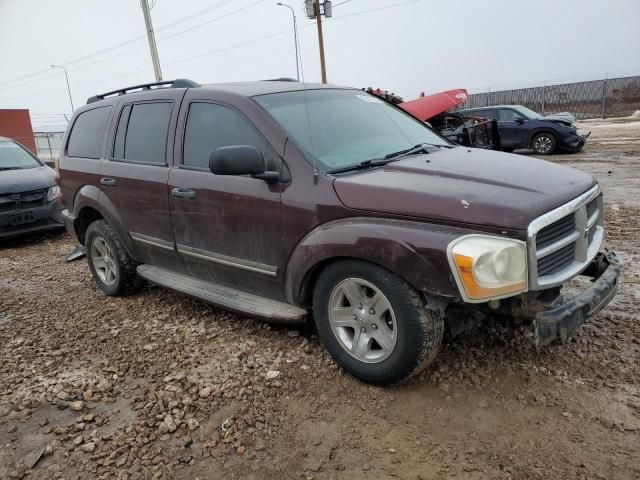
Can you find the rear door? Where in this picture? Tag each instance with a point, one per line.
(227, 228)
(513, 128)
(133, 178)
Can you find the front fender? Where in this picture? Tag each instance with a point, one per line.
(414, 251)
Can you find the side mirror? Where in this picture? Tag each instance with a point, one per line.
(519, 121)
(241, 160)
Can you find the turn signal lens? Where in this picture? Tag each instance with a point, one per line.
(488, 268)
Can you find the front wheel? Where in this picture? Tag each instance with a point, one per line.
(543, 143)
(374, 324)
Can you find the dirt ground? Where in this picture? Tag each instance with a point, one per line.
(160, 386)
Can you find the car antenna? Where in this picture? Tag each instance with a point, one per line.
(306, 104)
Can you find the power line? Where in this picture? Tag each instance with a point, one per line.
(126, 42)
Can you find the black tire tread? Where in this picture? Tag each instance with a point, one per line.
(129, 281)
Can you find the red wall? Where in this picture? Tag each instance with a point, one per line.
(16, 124)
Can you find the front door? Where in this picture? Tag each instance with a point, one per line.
(513, 132)
(135, 174)
(227, 228)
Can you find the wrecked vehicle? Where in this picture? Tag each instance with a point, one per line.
(521, 127)
(29, 196)
(288, 201)
(437, 111)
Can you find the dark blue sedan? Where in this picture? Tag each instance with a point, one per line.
(521, 127)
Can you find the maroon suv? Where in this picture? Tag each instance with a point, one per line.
(284, 201)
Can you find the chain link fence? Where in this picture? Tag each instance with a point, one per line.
(609, 97)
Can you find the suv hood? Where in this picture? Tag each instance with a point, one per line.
(25, 180)
(564, 118)
(463, 185)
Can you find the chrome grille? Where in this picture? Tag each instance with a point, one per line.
(561, 243)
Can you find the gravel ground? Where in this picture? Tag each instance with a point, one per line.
(160, 386)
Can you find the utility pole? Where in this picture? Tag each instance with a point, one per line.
(152, 40)
(66, 75)
(314, 10)
(323, 67)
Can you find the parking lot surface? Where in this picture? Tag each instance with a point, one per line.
(159, 386)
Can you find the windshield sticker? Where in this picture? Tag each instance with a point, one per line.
(369, 99)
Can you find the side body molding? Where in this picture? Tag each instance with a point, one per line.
(415, 251)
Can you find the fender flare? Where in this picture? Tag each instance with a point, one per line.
(91, 196)
(414, 251)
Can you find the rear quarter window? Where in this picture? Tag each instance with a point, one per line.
(86, 136)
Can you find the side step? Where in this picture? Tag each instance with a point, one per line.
(225, 297)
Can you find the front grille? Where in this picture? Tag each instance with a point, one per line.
(22, 201)
(564, 241)
(556, 231)
(557, 260)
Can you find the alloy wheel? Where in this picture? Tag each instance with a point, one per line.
(363, 320)
(103, 261)
(543, 144)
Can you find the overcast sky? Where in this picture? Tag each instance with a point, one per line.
(399, 45)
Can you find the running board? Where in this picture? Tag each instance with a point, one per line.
(224, 297)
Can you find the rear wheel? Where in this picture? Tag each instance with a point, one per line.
(543, 143)
(374, 324)
(112, 268)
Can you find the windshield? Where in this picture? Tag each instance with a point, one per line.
(347, 126)
(14, 157)
(528, 113)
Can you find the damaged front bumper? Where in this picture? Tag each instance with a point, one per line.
(575, 142)
(561, 318)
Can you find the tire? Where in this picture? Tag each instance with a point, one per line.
(508, 150)
(544, 143)
(398, 341)
(116, 276)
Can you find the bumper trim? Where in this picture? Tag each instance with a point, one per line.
(563, 318)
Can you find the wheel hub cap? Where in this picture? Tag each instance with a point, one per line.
(363, 320)
(103, 261)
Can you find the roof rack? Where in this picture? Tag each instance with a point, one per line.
(283, 79)
(177, 83)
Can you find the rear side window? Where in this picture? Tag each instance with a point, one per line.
(141, 136)
(210, 126)
(86, 135)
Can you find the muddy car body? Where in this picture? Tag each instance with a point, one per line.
(285, 201)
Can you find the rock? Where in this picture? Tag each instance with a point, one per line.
(170, 423)
(89, 447)
(78, 440)
(185, 459)
(12, 429)
(192, 423)
(205, 392)
(76, 406)
(31, 459)
(272, 374)
(392, 450)
(241, 449)
(89, 417)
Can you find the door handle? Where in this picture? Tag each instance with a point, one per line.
(108, 182)
(185, 193)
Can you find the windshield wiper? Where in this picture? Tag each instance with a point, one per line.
(364, 165)
(10, 168)
(420, 148)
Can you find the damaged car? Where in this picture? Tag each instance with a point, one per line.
(522, 128)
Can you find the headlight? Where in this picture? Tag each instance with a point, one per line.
(53, 193)
(488, 268)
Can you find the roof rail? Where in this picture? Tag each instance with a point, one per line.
(177, 83)
(283, 79)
